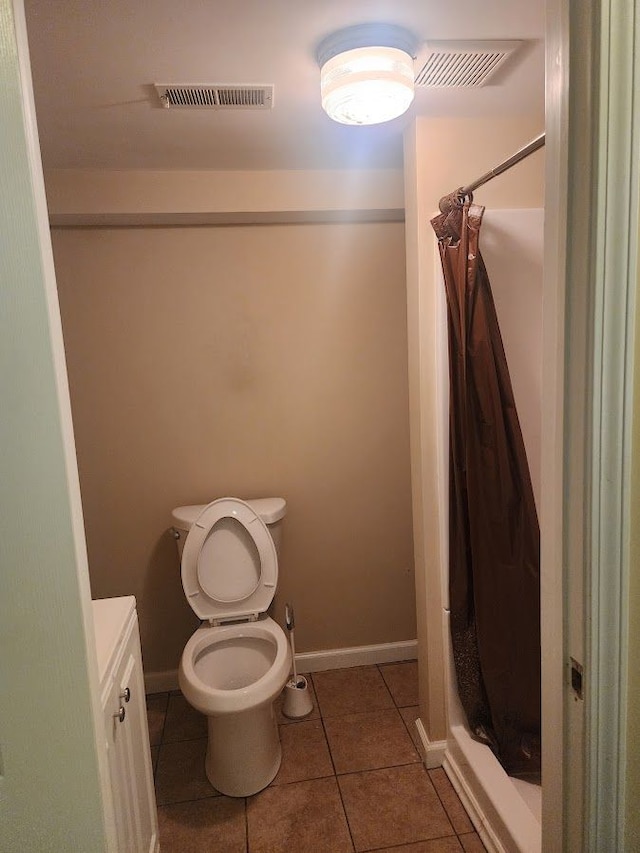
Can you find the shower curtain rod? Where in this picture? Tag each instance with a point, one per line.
(532, 146)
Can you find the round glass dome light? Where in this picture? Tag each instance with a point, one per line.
(367, 85)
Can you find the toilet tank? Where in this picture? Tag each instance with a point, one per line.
(270, 510)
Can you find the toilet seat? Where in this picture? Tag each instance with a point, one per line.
(263, 687)
(229, 563)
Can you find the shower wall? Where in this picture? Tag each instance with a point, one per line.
(512, 243)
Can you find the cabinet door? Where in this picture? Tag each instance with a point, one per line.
(140, 788)
(117, 748)
(129, 755)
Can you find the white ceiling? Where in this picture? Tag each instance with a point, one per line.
(95, 62)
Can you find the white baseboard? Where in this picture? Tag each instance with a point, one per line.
(160, 682)
(431, 751)
(357, 656)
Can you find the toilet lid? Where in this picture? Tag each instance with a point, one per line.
(229, 563)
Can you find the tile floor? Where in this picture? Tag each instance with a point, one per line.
(351, 778)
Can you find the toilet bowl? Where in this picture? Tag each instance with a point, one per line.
(237, 662)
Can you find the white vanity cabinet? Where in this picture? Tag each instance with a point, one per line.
(134, 815)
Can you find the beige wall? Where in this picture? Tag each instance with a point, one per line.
(440, 155)
(256, 360)
(85, 193)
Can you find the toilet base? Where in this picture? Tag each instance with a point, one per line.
(243, 752)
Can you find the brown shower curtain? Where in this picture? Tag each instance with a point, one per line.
(494, 538)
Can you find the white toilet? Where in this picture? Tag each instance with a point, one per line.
(238, 661)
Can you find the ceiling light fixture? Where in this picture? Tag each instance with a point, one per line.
(366, 73)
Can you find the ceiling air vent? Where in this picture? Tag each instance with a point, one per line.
(217, 97)
(462, 63)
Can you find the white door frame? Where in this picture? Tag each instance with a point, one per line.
(593, 134)
(615, 235)
(53, 769)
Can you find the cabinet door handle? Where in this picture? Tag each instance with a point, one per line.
(126, 694)
(121, 714)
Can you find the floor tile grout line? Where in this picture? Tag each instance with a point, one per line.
(335, 775)
(316, 779)
(373, 769)
(246, 824)
(317, 698)
(154, 766)
(192, 800)
(468, 831)
(382, 666)
(377, 666)
(363, 713)
(353, 713)
(406, 725)
(435, 788)
(164, 719)
(160, 742)
(442, 802)
(344, 773)
(346, 816)
(183, 740)
(411, 843)
(477, 835)
(380, 710)
(373, 666)
(297, 781)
